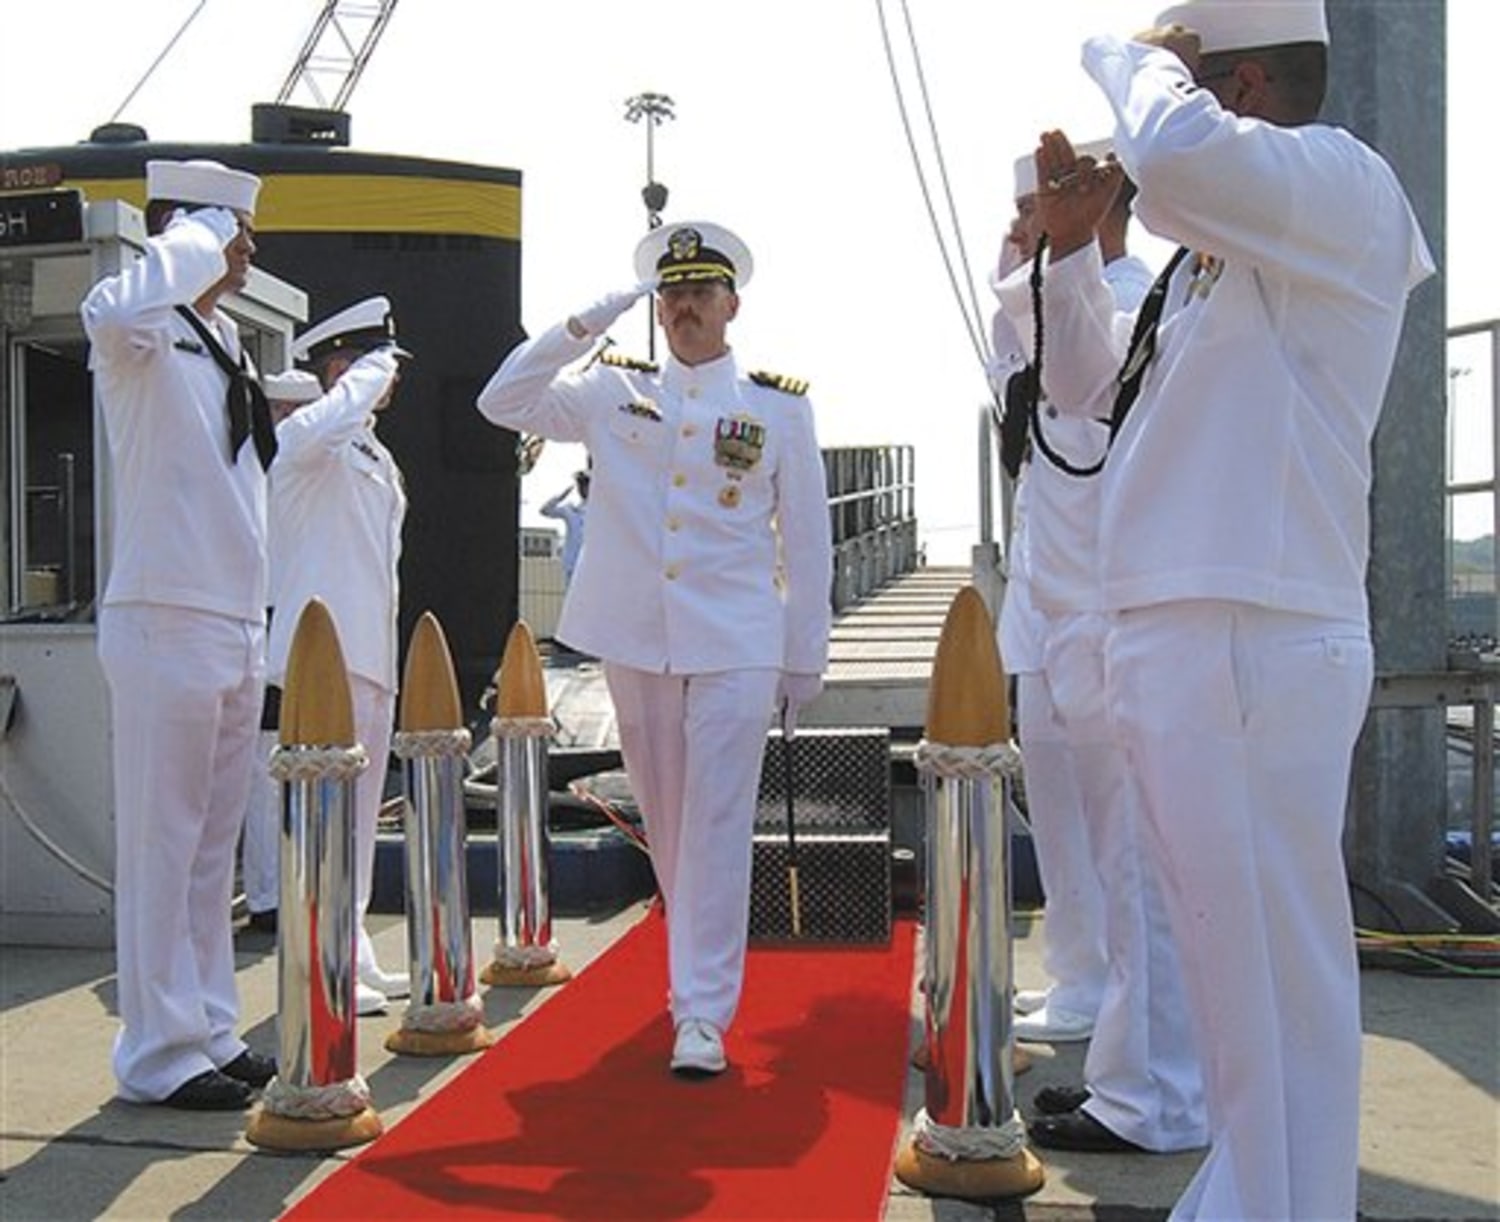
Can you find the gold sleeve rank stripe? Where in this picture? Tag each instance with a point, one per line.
(779, 381)
(620, 361)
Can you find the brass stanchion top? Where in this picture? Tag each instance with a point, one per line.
(967, 705)
(429, 686)
(316, 708)
(521, 689)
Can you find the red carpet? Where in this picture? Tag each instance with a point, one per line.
(573, 1114)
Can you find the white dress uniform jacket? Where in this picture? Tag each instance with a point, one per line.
(1309, 247)
(162, 398)
(692, 565)
(337, 508)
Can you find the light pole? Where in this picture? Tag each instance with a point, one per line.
(654, 108)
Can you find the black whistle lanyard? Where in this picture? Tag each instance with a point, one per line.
(1137, 357)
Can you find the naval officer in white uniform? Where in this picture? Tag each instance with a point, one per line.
(338, 504)
(704, 588)
(1234, 539)
(181, 628)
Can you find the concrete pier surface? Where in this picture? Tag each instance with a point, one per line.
(69, 1150)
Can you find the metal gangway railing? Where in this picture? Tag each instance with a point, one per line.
(872, 509)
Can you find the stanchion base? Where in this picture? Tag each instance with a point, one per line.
(272, 1132)
(414, 1043)
(1020, 1059)
(502, 976)
(977, 1179)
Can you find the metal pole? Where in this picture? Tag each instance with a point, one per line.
(789, 782)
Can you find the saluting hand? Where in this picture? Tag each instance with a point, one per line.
(1073, 193)
(597, 318)
(1178, 39)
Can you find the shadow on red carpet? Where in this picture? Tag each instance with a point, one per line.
(573, 1115)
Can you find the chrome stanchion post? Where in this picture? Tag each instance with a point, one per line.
(968, 1139)
(445, 1015)
(317, 1101)
(525, 953)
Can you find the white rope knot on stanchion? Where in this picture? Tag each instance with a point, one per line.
(969, 763)
(290, 763)
(970, 1142)
(430, 744)
(525, 956)
(331, 1102)
(443, 1016)
(523, 727)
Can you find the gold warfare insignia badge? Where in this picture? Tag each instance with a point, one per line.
(729, 496)
(645, 409)
(738, 442)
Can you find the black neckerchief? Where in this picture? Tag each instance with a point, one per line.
(244, 401)
(1132, 372)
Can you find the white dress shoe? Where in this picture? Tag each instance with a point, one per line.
(368, 1001)
(699, 1050)
(1049, 1025)
(392, 984)
(1029, 1001)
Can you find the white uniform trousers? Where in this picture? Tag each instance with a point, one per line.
(1073, 926)
(1240, 723)
(1142, 1067)
(374, 711)
(693, 746)
(260, 843)
(185, 694)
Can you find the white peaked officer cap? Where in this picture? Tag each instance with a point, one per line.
(1099, 150)
(1242, 25)
(360, 328)
(689, 251)
(202, 182)
(291, 386)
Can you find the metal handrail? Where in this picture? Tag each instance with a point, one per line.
(873, 517)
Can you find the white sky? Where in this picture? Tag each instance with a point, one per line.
(787, 130)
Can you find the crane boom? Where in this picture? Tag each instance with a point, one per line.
(337, 50)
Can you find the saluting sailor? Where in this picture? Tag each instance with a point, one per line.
(337, 508)
(182, 627)
(704, 588)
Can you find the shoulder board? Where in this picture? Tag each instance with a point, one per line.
(779, 381)
(620, 361)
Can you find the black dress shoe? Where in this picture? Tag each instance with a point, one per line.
(263, 922)
(250, 1068)
(1079, 1131)
(1054, 1100)
(210, 1091)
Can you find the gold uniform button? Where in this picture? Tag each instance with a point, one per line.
(679, 480)
(672, 571)
(674, 524)
(689, 430)
(692, 392)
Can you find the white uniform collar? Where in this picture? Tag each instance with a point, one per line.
(720, 371)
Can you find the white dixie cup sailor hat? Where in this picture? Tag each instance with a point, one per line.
(202, 182)
(1242, 25)
(291, 386)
